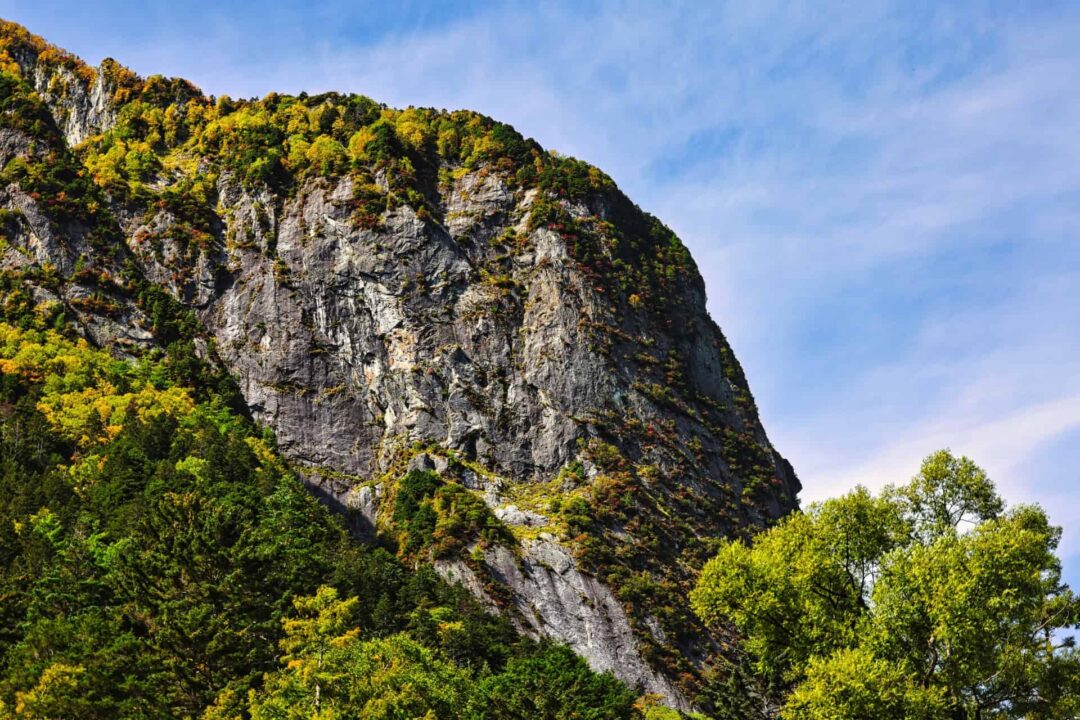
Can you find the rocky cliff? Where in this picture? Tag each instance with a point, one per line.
(402, 293)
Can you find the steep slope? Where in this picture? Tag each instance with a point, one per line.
(397, 290)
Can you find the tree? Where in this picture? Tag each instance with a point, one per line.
(322, 627)
(854, 683)
(802, 588)
(553, 683)
(927, 601)
(949, 491)
(327, 155)
(330, 673)
(58, 693)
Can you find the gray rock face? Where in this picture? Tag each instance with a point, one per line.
(512, 515)
(346, 340)
(554, 599)
(80, 108)
(351, 338)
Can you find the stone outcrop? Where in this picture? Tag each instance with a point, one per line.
(553, 598)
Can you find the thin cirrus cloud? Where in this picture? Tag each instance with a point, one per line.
(882, 197)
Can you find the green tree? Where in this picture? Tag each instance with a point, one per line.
(802, 588)
(327, 155)
(553, 683)
(331, 673)
(928, 601)
(947, 492)
(854, 683)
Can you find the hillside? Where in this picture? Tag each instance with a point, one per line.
(483, 356)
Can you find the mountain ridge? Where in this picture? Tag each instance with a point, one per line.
(400, 292)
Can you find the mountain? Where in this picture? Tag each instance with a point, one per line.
(480, 353)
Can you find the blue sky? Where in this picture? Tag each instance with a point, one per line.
(884, 198)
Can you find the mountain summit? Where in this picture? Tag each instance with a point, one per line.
(480, 352)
